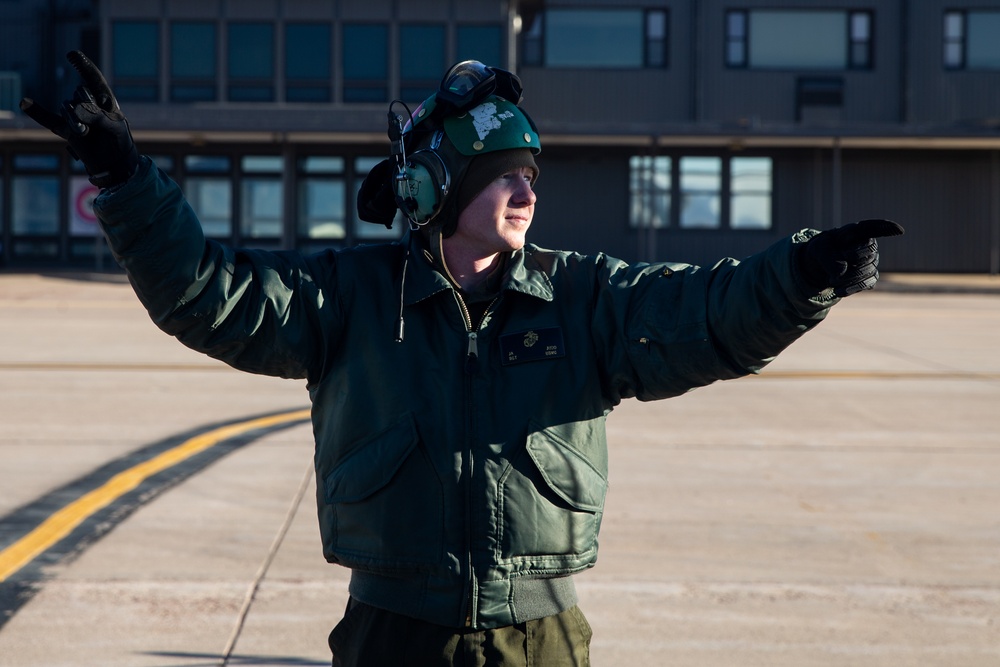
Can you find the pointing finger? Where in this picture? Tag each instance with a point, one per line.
(873, 229)
(93, 79)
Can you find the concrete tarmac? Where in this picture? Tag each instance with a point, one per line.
(841, 509)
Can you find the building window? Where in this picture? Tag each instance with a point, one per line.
(750, 193)
(799, 39)
(701, 192)
(322, 199)
(35, 204)
(713, 192)
(480, 42)
(261, 197)
(209, 190)
(597, 38)
(954, 40)
(736, 38)
(656, 38)
(650, 186)
(860, 36)
(135, 60)
(422, 59)
(307, 62)
(365, 50)
(972, 40)
(250, 59)
(192, 62)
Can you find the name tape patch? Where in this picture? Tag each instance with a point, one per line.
(532, 345)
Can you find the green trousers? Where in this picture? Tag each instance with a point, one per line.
(370, 637)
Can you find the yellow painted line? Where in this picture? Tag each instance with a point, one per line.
(63, 522)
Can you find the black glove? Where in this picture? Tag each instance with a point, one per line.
(845, 258)
(93, 125)
(376, 199)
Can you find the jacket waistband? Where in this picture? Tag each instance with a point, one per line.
(500, 603)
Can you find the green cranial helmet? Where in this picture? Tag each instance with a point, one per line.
(472, 124)
(441, 151)
(494, 125)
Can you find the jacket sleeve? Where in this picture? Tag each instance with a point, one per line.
(261, 312)
(676, 326)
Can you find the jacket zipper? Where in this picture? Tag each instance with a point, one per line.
(471, 366)
(472, 353)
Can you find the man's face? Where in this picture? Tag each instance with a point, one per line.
(498, 218)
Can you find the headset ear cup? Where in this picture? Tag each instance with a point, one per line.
(422, 189)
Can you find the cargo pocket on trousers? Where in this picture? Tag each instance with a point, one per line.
(388, 502)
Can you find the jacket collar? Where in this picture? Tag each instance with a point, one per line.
(423, 280)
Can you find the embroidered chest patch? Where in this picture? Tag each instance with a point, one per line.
(532, 345)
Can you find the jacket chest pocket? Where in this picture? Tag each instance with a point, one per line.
(551, 502)
(388, 503)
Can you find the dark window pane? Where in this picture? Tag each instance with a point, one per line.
(365, 52)
(35, 205)
(422, 60)
(983, 41)
(656, 39)
(594, 38)
(192, 50)
(307, 62)
(251, 62)
(136, 49)
(192, 62)
(480, 42)
(307, 51)
(251, 50)
(531, 43)
(366, 63)
(798, 39)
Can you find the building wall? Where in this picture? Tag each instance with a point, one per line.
(911, 139)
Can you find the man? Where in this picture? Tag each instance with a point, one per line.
(459, 379)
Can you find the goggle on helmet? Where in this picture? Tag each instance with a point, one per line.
(462, 106)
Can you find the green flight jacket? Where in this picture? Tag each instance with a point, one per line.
(461, 473)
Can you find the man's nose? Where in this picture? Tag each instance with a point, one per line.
(524, 195)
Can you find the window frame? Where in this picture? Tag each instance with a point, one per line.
(859, 54)
(248, 88)
(960, 59)
(256, 169)
(325, 170)
(675, 193)
(464, 54)
(124, 84)
(323, 85)
(364, 89)
(209, 82)
(416, 88)
(534, 51)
